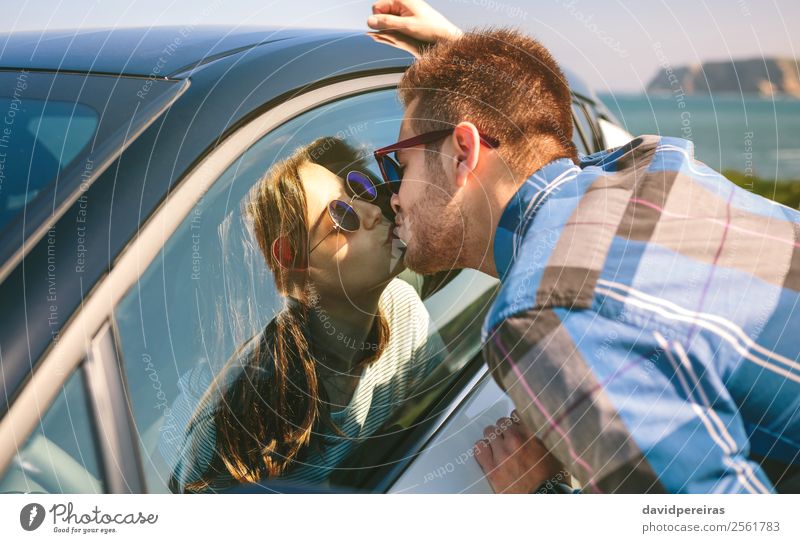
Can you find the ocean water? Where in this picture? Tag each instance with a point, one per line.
(754, 135)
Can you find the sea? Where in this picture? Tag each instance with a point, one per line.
(755, 135)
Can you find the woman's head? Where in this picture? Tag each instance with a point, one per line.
(289, 210)
(268, 401)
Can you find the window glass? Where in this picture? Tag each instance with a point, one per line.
(59, 131)
(60, 456)
(202, 309)
(43, 138)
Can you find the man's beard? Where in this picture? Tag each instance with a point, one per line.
(437, 231)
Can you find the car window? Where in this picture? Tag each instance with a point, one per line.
(208, 297)
(60, 456)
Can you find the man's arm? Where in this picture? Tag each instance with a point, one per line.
(620, 405)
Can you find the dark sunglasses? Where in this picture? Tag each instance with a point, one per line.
(390, 167)
(343, 215)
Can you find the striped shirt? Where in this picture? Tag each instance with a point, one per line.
(413, 350)
(648, 323)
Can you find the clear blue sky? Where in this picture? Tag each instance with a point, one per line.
(616, 45)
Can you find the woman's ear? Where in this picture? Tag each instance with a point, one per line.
(467, 144)
(284, 255)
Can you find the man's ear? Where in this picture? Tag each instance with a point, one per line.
(467, 148)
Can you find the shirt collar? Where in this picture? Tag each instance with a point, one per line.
(523, 206)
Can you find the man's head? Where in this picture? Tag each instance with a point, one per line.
(503, 84)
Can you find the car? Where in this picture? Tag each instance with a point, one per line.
(125, 155)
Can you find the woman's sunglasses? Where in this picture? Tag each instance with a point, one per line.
(343, 215)
(390, 167)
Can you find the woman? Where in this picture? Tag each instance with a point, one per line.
(349, 346)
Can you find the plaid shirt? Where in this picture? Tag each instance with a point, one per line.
(648, 323)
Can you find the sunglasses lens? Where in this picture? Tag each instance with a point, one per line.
(392, 172)
(344, 216)
(361, 186)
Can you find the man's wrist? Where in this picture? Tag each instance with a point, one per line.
(557, 484)
(554, 488)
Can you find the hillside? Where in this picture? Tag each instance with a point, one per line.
(767, 77)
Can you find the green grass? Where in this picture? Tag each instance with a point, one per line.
(784, 192)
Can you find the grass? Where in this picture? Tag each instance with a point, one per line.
(784, 192)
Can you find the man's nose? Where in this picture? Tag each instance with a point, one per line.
(395, 202)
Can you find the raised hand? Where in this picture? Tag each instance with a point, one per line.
(414, 18)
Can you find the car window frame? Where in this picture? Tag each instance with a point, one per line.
(81, 373)
(593, 141)
(577, 131)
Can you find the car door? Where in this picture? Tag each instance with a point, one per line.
(76, 340)
(192, 286)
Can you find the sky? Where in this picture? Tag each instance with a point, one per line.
(614, 45)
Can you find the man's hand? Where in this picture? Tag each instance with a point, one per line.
(513, 459)
(399, 40)
(413, 18)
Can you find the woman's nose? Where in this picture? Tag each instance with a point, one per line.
(369, 214)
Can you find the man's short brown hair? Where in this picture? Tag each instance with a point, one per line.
(505, 83)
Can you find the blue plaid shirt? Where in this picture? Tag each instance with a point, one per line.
(648, 323)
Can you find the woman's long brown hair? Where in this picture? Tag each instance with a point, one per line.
(269, 402)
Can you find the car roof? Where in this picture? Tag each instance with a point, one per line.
(153, 51)
(136, 51)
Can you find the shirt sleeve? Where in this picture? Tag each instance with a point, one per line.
(625, 408)
(421, 347)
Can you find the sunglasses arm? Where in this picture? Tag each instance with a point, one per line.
(331, 231)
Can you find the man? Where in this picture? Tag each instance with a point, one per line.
(647, 323)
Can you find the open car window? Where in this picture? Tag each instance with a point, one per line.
(209, 295)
